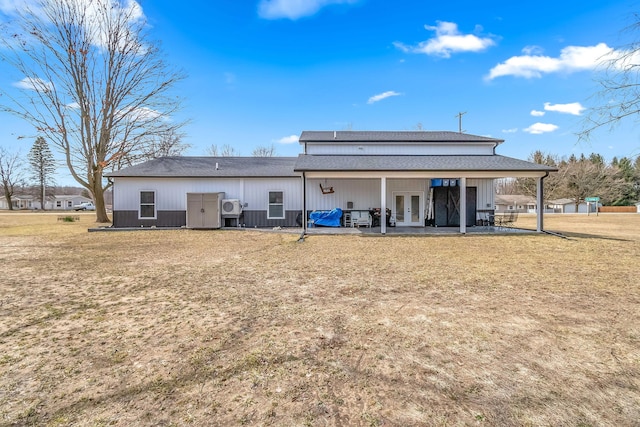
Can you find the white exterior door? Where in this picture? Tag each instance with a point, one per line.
(408, 209)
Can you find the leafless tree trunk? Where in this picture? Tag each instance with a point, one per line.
(92, 83)
(10, 174)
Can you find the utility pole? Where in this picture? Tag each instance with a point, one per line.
(459, 116)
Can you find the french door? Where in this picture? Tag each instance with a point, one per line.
(408, 209)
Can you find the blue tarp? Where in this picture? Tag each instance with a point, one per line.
(327, 218)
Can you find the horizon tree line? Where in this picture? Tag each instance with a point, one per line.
(616, 183)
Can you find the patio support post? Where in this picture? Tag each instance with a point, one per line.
(463, 205)
(304, 203)
(540, 203)
(383, 205)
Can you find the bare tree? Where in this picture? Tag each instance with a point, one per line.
(10, 174)
(264, 151)
(588, 177)
(618, 97)
(553, 184)
(212, 150)
(43, 166)
(92, 83)
(225, 151)
(165, 144)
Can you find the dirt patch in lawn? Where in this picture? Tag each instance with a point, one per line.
(241, 327)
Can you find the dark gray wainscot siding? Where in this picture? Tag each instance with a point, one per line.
(179, 219)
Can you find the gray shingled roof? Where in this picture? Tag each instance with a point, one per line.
(239, 167)
(205, 167)
(393, 136)
(308, 163)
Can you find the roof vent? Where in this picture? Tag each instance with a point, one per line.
(216, 165)
(335, 134)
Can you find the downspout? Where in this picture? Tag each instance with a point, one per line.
(113, 199)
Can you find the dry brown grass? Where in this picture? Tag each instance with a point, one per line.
(253, 328)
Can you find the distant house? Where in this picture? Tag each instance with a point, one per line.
(65, 202)
(515, 203)
(420, 178)
(53, 203)
(19, 202)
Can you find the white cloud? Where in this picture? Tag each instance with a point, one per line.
(144, 113)
(532, 50)
(294, 9)
(571, 59)
(574, 108)
(536, 113)
(34, 83)
(382, 96)
(292, 139)
(512, 130)
(539, 128)
(448, 40)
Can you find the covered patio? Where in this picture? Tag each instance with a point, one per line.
(385, 189)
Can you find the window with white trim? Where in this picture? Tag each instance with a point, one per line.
(276, 205)
(147, 205)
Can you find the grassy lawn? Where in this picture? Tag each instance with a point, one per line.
(242, 327)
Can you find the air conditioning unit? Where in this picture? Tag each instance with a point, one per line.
(231, 207)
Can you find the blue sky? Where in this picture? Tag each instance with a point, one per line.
(262, 71)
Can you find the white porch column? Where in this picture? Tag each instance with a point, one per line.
(383, 205)
(304, 203)
(463, 205)
(540, 202)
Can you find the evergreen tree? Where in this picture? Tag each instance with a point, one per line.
(43, 166)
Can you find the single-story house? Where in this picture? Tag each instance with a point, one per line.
(409, 178)
(515, 203)
(20, 201)
(63, 202)
(52, 203)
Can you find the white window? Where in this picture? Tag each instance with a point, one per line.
(147, 205)
(69, 204)
(276, 205)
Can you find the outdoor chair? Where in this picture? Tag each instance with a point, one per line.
(506, 219)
